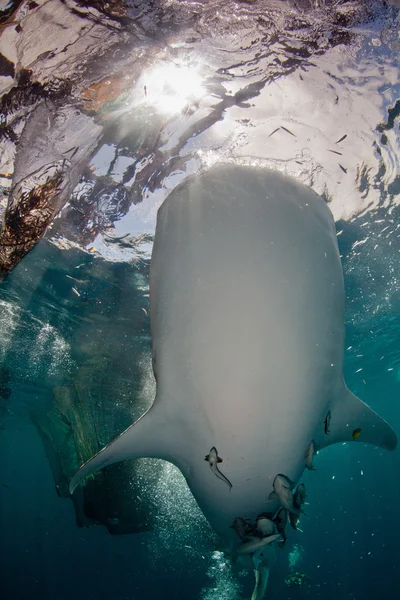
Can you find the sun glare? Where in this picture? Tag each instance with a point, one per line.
(171, 87)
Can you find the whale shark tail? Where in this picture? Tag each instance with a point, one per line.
(148, 437)
(351, 420)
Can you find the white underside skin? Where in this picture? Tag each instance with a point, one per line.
(247, 306)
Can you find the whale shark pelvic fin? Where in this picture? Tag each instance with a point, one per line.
(148, 437)
(352, 420)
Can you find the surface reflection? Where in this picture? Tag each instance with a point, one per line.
(165, 89)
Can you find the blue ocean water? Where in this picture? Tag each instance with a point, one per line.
(75, 346)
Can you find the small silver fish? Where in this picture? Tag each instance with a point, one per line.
(283, 490)
(281, 520)
(213, 460)
(294, 521)
(300, 495)
(256, 543)
(310, 455)
(299, 498)
(265, 526)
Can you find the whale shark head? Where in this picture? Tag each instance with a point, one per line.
(247, 323)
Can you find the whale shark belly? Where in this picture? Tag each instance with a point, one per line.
(248, 323)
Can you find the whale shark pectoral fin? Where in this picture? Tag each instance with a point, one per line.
(144, 439)
(352, 420)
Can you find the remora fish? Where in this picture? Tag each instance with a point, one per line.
(280, 237)
(280, 521)
(299, 498)
(241, 527)
(283, 491)
(300, 495)
(213, 459)
(327, 423)
(294, 521)
(310, 455)
(256, 543)
(265, 526)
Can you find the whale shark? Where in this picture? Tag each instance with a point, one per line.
(247, 325)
